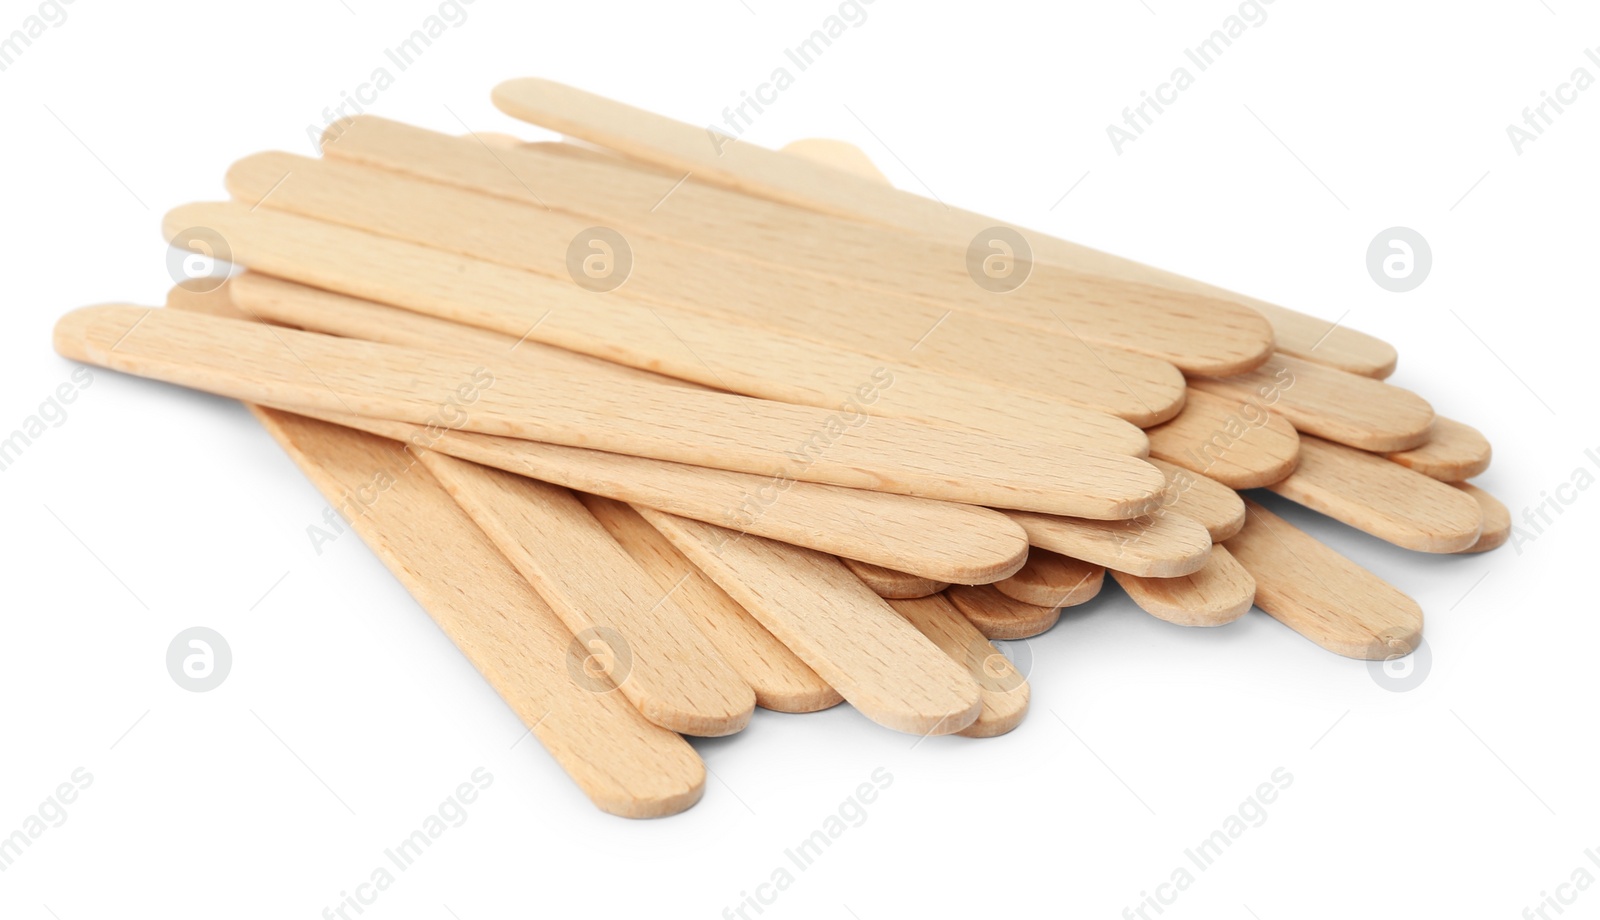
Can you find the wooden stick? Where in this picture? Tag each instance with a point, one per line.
(906, 394)
(781, 681)
(960, 541)
(890, 584)
(1296, 334)
(1241, 443)
(1333, 404)
(1195, 333)
(1453, 452)
(941, 540)
(677, 279)
(1213, 505)
(1163, 545)
(1496, 519)
(998, 616)
(623, 763)
(1321, 594)
(282, 366)
(653, 653)
(848, 635)
(1382, 498)
(1004, 689)
(1217, 594)
(795, 181)
(1054, 581)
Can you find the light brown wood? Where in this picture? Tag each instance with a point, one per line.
(1241, 443)
(1332, 404)
(676, 148)
(799, 182)
(1308, 337)
(1005, 689)
(1218, 594)
(1496, 519)
(879, 389)
(1454, 452)
(1382, 498)
(940, 540)
(1054, 581)
(952, 539)
(648, 646)
(1213, 505)
(1194, 332)
(1312, 338)
(1321, 594)
(626, 765)
(1163, 545)
(880, 663)
(890, 584)
(998, 616)
(694, 291)
(840, 155)
(289, 367)
(286, 303)
(716, 353)
(781, 681)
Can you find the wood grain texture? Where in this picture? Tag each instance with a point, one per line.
(1052, 580)
(941, 540)
(1241, 443)
(879, 662)
(1193, 332)
(959, 540)
(1005, 690)
(1496, 519)
(1308, 337)
(1332, 404)
(998, 616)
(648, 645)
(1454, 452)
(1218, 594)
(1163, 545)
(696, 291)
(286, 303)
(719, 354)
(289, 367)
(890, 584)
(1325, 342)
(781, 681)
(1213, 505)
(1055, 363)
(1382, 498)
(807, 183)
(1322, 595)
(624, 763)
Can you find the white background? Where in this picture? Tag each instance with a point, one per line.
(348, 717)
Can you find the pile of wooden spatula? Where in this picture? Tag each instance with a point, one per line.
(660, 427)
